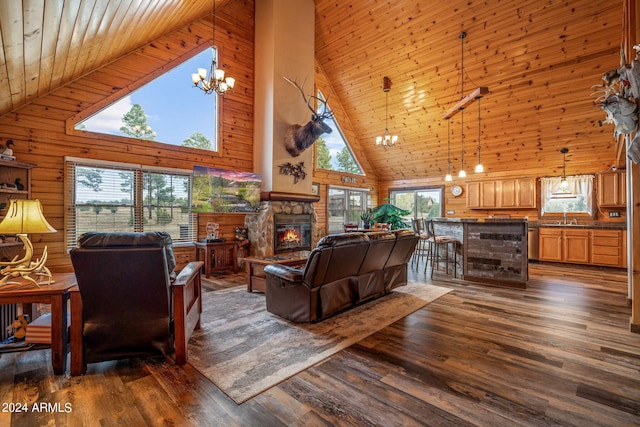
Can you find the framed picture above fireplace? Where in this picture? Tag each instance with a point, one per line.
(225, 191)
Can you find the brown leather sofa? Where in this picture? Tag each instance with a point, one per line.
(344, 270)
(133, 304)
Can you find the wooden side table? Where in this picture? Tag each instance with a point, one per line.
(218, 256)
(57, 295)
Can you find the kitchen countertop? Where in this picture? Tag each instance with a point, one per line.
(581, 224)
(604, 225)
(480, 220)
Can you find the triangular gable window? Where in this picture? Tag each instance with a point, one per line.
(168, 109)
(332, 149)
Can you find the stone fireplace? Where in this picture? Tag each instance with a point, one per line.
(292, 233)
(280, 227)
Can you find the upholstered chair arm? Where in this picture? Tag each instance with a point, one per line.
(285, 272)
(288, 296)
(187, 306)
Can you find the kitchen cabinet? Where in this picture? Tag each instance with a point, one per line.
(527, 193)
(609, 248)
(550, 244)
(565, 245)
(507, 193)
(577, 245)
(594, 246)
(502, 194)
(481, 194)
(612, 189)
(473, 195)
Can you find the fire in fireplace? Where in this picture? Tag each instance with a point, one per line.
(292, 233)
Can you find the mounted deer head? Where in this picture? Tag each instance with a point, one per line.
(300, 137)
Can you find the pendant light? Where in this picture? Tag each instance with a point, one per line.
(448, 177)
(563, 192)
(479, 167)
(460, 106)
(462, 173)
(563, 182)
(386, 140)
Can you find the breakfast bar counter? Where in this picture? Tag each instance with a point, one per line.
(493, 251)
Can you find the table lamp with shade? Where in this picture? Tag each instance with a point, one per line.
(25, 217)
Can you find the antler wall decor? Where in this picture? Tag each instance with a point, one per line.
(300, 137)
(617, 96)
(297, 171)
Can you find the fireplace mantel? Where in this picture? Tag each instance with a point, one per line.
(292, 197)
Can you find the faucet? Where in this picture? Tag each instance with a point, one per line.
(574, 221)
(564, 214)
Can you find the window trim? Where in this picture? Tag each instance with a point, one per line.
(590, 200)
(70, 163)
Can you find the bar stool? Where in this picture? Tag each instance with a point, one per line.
(438, 250)
(422, 247)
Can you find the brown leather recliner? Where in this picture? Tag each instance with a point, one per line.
(133, 305)
(343, 271)
(395, 270)
(371, 277)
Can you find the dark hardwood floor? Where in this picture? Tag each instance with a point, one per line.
(557, 353)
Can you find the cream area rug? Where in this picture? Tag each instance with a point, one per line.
(244, 350)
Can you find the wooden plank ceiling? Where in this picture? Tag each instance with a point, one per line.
(45, 44)
(538, 58)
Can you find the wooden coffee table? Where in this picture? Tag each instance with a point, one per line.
(256, 280)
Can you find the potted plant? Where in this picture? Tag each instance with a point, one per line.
(367, 218)
(392, 215)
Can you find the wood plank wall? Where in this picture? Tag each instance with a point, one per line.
(42, 137)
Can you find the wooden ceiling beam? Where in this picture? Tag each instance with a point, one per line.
(464, 102)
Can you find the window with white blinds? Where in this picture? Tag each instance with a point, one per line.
(107, 197)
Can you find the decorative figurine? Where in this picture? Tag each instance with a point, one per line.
(212, 230)
(7, 153)
(19, 184)
(242, 233)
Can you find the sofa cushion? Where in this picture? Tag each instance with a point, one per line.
(342, 239)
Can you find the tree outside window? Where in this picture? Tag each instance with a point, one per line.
(333, 151)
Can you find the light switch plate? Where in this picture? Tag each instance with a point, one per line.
(614, 214)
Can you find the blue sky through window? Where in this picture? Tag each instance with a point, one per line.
(174, 108)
